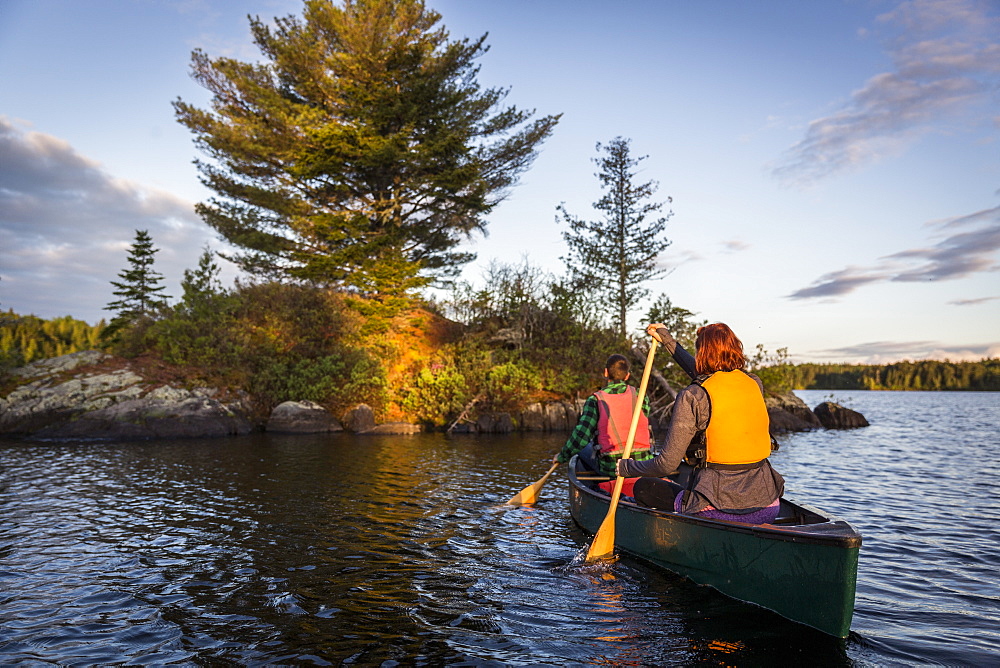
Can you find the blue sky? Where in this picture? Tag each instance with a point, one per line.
(834, 166)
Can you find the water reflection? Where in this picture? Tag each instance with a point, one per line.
(341, 549)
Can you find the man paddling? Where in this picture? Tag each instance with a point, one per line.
(600, 434)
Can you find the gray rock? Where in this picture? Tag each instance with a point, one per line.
(154, 418)
(494, 423)
(533, 418)
(168, 394)
(56, 365)
(557, 417)
(835, 416)
(485, 422)
(787, 412)
(511, 337)
(359, 419)
(115, 405)
(47, 401)
(302, 417)
(781, 421)
(503, 424)
(793, 405)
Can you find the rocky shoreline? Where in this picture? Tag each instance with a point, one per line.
(73, 397)
(91, 395)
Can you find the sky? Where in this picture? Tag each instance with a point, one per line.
(833, 167)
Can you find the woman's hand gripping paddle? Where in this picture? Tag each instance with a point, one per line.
(603, 545)
(529, 494)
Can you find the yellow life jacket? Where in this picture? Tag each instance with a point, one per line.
(737, 431)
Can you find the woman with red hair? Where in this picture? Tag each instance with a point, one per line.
(721, 422)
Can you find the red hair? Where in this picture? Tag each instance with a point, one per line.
(718, 349)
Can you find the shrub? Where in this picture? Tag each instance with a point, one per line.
(337, 380)
(510, 386)
(774, 370)
(437, 395)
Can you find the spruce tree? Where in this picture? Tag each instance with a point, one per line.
(681, 323)
(360, 151)
(615, 255)
(201, 284)
(139, 291)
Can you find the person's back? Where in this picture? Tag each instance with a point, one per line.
(601, 432)
(724, 415)
(737, 431)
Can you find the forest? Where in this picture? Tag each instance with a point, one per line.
(27, 338)
(916, 375)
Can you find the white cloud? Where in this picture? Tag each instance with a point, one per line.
(670, 261)
(735, 246)
(66, 225)
(975, 301)
(887, 352)
(968, 245)
(947, 62)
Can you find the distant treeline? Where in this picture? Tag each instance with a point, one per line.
(26, 338)
(923, 375)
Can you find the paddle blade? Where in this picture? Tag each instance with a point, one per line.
(529, 494)
(603, 545)
(526, 496)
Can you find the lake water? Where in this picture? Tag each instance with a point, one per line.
(350, 550)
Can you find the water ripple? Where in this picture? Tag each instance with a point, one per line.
(327, 550)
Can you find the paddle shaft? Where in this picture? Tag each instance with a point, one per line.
(604, 540)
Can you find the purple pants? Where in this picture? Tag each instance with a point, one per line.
(762, 516)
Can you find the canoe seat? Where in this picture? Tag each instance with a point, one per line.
(789, 514)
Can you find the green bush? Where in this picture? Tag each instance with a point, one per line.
(281, 342)
(278, 380)
(774, 370)
(510, 386)
(437, 395)
(337, 380)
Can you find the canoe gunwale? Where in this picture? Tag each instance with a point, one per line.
(833, 532)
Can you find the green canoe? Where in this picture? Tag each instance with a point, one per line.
(804, 566)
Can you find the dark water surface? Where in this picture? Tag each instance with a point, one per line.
(400, 551)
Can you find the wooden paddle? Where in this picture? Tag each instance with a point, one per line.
(529, 494)
(603, 545)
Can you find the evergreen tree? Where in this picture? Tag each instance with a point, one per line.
(201, 284)
(361, 151)
(139, 291)
(617, 254)
(681, 323)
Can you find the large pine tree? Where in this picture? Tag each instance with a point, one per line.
(615, 255)
(361, 151)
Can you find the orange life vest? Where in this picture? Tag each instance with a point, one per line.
(614, 413)
(737, 431)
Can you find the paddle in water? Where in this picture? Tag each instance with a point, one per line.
(603, 545)
(529, 494)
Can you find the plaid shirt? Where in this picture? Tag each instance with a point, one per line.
(585, 432)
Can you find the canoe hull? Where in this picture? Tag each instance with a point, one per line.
(805, 573)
